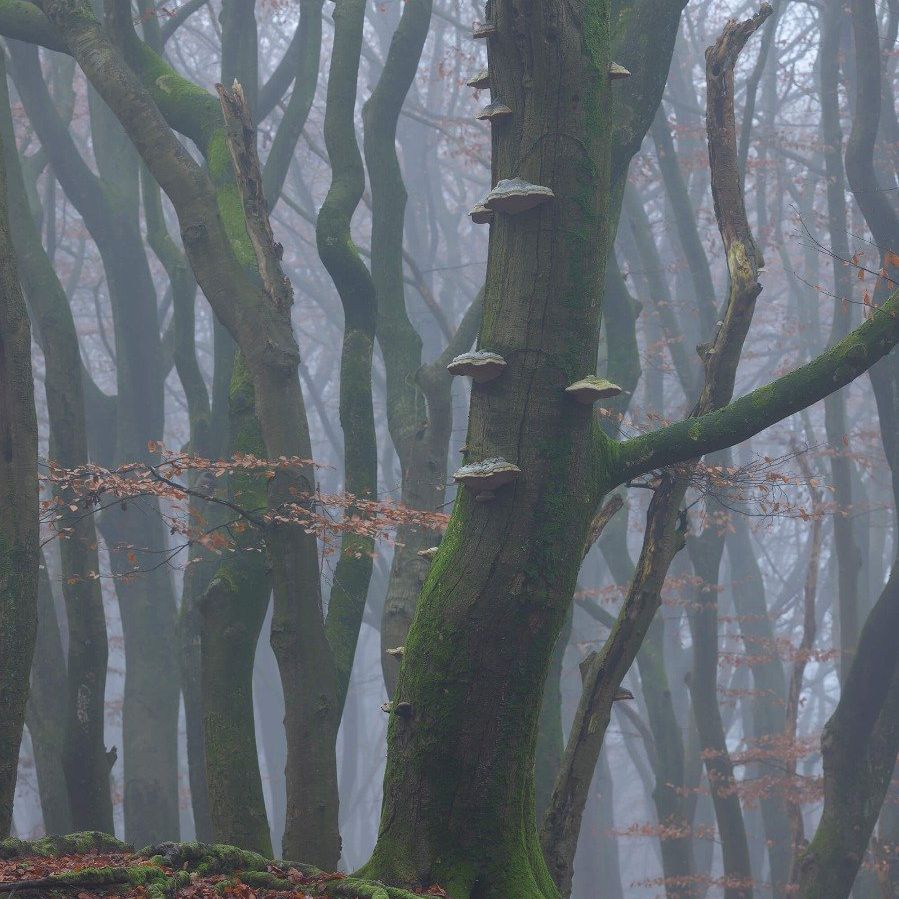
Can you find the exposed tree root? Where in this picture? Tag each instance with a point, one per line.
(163, 869)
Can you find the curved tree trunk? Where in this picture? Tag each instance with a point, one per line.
(19, 535)
(498, 591)
(84, 758)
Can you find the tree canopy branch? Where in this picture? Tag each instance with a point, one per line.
(747, 416)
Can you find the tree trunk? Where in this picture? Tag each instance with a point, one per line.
(45, 714)
(19, 534)
(705, 552)
(232, 610)
(84, 759)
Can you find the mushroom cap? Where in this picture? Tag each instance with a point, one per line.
(480, 81)
(396, 651)
(480, 214)
(487, 475)
(617, 71)
(428, 553)
(621, 694)
(590, 389)
(495, 110)
(514, 195)
(479, 365)
(483, 29)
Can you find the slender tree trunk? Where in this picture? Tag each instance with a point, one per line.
(84, 758)
(352, 574)
(848, 555)
(768, 719)
(19, 536)
(232, 610)
(705, 552)
(45, 714)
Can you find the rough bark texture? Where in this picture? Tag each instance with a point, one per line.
(19, 536)
(607, 668)
(497, 592)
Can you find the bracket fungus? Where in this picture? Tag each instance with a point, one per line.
(590, 389)
(483, 30)
(514, 195)
(481, 215)
(396, 652)
(481, 81)
(480, 365)
(617, 71)
(494, 111)
(429, 553)
(622, 694)
(486, 477)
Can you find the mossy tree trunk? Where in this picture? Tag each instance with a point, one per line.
(84, 759)
(232, 610)
(352, 573)
(109, 207)
(500, 583)
(19, 533)
(459, 788)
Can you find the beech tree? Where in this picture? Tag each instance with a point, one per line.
(475, 717)
(19, 535)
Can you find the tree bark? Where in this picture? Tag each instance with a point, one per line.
(499, 587)
(84, 758)
(705, 553)
(45, 714)
(19, 534)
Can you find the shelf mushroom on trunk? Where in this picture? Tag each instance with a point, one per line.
(494, 111)
(617, 71)
(479, 365)
(484, 478)
(481, 81)
(515, 195)
(592, 388)
(481, 215)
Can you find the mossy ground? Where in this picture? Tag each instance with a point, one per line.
(98, 866)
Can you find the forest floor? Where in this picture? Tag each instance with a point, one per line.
(103, 868)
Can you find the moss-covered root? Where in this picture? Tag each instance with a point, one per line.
(188, 862)
(251, 868)
(87, 841)
(156, 883)
(317, 883)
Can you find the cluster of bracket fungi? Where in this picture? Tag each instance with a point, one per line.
(510, 196)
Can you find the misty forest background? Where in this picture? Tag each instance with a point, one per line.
(789, 538)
